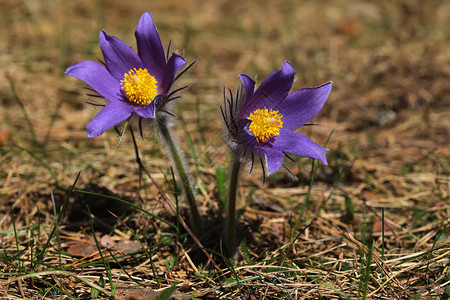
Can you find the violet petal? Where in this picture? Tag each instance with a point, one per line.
(272, 90)
(119, 57)
(249, 85)
(112, 114)
(274, 159)
(98, 78)
(175, 64)
(149, 46)
(298, 144)
(301, 106)
(147, 111)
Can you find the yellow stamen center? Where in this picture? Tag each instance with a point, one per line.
(266, 123)
(139, 86)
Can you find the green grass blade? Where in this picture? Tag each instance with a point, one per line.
(165, 295)
(40, 256)
(221, 179)
(104, 260)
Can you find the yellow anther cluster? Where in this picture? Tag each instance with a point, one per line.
(139, 86)
(266, 123)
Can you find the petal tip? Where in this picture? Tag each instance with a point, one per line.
(323, 90)
(146, 15)
(288, 68)
(323, 157)
(145, 21)
(68, 70)
(180, 61)
(102, 34)
(245, 78)
(92, 133)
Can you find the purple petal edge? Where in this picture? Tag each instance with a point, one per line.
(298, 144)
(98, 78)
(303, 105)
(150, 48)
(175, 64)
(274, 159)
(272, 91)
(147, 111)
(119, 57)
(111, 115)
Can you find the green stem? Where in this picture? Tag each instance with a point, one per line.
(230, 223)
(182, 174)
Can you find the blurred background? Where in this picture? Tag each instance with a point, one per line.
(389, 107)
(388, 116)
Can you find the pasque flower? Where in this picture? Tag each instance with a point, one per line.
(133, 83)
(260, 123)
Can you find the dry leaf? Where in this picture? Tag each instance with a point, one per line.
(4, 135)
(127, 247)
(135, 294)
(106, 241)
(388, 225)
(81, 248)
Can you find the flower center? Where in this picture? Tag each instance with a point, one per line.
(139, 86)
(266, 123)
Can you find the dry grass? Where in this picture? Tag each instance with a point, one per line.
(389, 157)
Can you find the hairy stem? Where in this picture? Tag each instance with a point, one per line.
(230, 223)
(166, 134)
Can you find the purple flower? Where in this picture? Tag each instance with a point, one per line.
(260, 123)
(134, 84)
